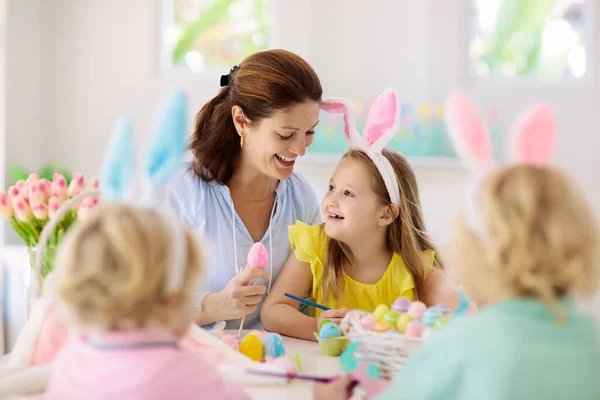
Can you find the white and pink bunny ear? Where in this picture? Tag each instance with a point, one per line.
(533, 136)
(382, 121)
(467, 131)
(337, 105)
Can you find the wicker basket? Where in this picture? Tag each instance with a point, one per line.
(388, 351)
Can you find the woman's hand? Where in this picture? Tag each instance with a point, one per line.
(332, 315)
(239, 297)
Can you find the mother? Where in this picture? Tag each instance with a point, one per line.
(241, 187)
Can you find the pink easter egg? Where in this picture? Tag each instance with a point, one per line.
(258, 256)
(287, 364)
(368, 322)
(414, 329)
(401, 305)
(417, 309)
(231, 341)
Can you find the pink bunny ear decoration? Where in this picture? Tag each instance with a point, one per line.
(467, 131)
(382, 121)
(336, 105)
(380, 127)
(533, 137)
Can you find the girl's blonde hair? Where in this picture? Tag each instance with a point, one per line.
(541, 239)
(406, 234)
(112, 269)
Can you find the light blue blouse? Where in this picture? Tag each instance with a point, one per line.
(208, 209)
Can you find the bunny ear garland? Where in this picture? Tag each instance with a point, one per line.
(167, 147)
(380, 128)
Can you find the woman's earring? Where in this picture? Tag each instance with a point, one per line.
(242, 141)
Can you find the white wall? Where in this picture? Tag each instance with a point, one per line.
(74, 66)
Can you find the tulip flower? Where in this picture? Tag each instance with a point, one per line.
(40, 211)
(54, 204)
(93, 184)
(59, 186)
(22, 210)
(32, 178)
(37, 193)
(6, 208)
(76, 185)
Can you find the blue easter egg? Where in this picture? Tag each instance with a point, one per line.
(330, 330)
(431, 315)
(273, 345)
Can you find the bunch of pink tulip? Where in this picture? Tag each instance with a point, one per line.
(30, 204)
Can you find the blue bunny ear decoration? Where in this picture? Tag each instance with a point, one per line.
(118, 169)
(118, 183)
(167, 144)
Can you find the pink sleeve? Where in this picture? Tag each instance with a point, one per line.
(53, 336)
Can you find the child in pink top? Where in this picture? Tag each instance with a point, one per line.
(118, 285)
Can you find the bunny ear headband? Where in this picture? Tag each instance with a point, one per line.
(118, 183)
(380, 127)
(531, 140)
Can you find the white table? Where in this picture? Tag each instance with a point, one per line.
(313, 363)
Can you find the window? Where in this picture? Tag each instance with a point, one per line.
(214, 35)
(540, 39)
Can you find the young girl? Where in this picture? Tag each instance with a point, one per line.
(525, 245)
(114, 277)
(373, 246)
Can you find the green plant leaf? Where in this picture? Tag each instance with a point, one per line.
(194, 30)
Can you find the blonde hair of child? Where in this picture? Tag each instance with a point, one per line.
(112, 268)
(406, 234)
(542, 237)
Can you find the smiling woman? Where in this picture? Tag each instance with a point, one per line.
(241, 187)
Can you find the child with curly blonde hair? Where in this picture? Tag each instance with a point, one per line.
(125, 278)
(525, 246)
(112, 278)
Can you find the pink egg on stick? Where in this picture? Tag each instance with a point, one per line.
(257, 258)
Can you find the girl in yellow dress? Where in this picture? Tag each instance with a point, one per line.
(372, 248)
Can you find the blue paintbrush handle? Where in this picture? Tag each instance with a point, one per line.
(307, 302)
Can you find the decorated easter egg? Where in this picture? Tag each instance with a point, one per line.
(330, 330)
(367, 321)
(401, 305)
(431, 315)
(380, 311)
(403, 322)
(258, 256)
(382, 326)
(414, 329)
(391, 317)
(417, 309)
(252, 348)
(441, 322)
(287, 364)
(273, 345)
(231, 341)
(444, 308)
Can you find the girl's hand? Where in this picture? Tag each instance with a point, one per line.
(239, 297)
(332, 315)
(339, 389)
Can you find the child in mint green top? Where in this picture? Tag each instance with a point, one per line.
(534, 246)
